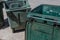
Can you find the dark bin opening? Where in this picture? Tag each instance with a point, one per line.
(38, 9)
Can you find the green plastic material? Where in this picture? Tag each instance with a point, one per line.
(52, 10)
(41, 29)
(17, 13)
(43, 23)
(17, 19)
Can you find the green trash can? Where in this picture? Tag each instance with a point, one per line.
(42, 28)
(1, 15)
(43, 25)
(17, 12)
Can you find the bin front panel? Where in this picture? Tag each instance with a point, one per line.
(56, 33)
(16, 18)
(38, 31)
(21, 16)
(13, 19)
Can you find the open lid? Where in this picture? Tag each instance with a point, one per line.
(16, 4)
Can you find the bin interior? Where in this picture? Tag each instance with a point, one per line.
(52, 10)
(19, 4)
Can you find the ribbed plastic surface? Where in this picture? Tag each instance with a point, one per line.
(43, 23)
(17, 19)
(41, 29)
(17, 11)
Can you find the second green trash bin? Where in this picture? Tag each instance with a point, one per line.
(43, 23)
(40, 27)
(17, 13)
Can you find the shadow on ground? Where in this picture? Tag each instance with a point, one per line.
(17, 31)
(5, 24)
